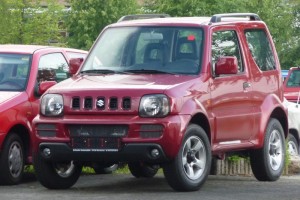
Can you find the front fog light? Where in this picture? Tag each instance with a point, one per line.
(52, 105)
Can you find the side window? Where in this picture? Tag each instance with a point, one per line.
(225, 43)
(53, 67)
(260, 49)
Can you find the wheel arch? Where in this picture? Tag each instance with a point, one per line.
(201, 120)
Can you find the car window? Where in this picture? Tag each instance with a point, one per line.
(260, 49)
(225, 43)
(147, 49)
(53, 67)
(14, 71)
(294, 79)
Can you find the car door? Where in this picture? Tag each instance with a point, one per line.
(51, 66)
(231, 105)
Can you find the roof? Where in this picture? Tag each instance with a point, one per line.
(167, 20)
(226, 18)
(13, 48)
(30, 49)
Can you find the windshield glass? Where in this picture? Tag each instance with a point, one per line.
(14, 69)
(294, 79)
(174, 50)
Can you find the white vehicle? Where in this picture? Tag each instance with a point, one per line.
(294, 126)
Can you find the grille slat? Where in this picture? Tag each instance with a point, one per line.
(113, 103)
(88, 103)
(126, 103)
(76, 103)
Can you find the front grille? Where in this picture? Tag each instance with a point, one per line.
(101, 103)
(76, 103)
(113, 103)
(88, 103)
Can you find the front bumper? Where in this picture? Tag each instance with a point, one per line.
(130, 152)
(133, 147)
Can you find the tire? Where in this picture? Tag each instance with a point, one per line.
(293, 146)
(142, 170)
(12, 160)
(53, 175)
(190, 168)
(267, 163)
(101, 168)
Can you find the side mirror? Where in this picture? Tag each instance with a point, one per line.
(226, 65)
(44, 86)
(74, 65)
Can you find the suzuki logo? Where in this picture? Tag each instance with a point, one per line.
(100, 103)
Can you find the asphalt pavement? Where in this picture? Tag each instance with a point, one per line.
(125, 187)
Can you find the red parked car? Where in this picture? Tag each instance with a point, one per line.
(22, 69)
(171, 93)
(291, 85)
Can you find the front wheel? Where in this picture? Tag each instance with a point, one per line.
(190, 168)
(56, 175)
(12, 160)
(143, 170)
(267, 163)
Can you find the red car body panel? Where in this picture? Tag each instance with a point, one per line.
(291, 85)
(17, 109)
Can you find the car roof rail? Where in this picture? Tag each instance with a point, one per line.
(142, 16)
(218, 17)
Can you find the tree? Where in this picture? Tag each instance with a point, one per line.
(278, 15)
(87, 19)
(26, 22)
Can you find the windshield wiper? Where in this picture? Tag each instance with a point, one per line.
(102, 71)
(148, 71)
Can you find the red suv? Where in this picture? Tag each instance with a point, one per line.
(291, 86)
(171, 93)
(22, 69)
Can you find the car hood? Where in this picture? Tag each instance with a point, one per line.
(120, 81)
(6, 96)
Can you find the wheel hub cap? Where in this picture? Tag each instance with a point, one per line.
(194, 158)
(15, 159)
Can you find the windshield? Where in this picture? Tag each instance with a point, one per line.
(14, 69)
(294, 79)
(174, 50)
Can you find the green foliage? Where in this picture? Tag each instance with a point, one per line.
(26, 22)
(86, 20)
(281, 17)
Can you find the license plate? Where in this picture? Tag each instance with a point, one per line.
(95, 144)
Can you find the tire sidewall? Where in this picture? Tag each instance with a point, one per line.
(194, 130)
(49, 178)
(274, 125)
(6, 174)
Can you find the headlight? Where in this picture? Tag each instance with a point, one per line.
(156, 105)
(52, 105)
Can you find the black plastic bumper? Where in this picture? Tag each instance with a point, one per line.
(129, 152)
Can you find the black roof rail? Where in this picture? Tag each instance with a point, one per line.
(142, 16)
(218, 17)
